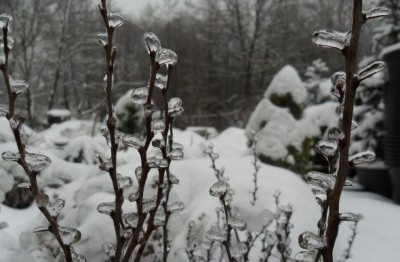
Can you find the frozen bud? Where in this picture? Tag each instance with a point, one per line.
(133, 196)
(131, 219)
(133, 141)
(175, 107)
(161, 81)
(138, 172)
(6, 21)
(109, 249)
(69, 235)
(216, 235)
(326, 148)
(151, 42)
(321, 180)
(311, 241)
(238, 250)
(376, 13)
(149, 109)
(149, 204)
(167, 57)
(349, 217)
(37, 162)
(331, 39)
(305, 256)
(115, 19)
(55, 207)
(106, 208)
(176, 206)
(18, 86)
(159, 218)
(219, 189)
(335, 133)
(124, 182)
(158, 126)
(237, 222)
(10, 156)
(370, 70)
(365, 156)
(103, 38)
(139, 95)
(42, 200)
(173, 179)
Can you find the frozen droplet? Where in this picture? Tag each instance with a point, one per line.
(176, 206)
(148, 204)
(55, 207)
(335, 133)
(349, 217)
(305, 256)
(124, 182)
(103, 38)
(310, 241)
(159, 218)
(106, 208)
(371, 69)
(365, 156)
(10, 156)
(161, 81)
(115, 19)
(3, 108)
(237, 222)
(133, 141)
(326, 148)
(159, 143)
(76, 257)
(219, 189)
(18, 86)
(24, 185)
(332, 39)
(69, 235)
(139, 95)
(167, 57)
(109, 249)
(42, 200)
(216, 235)
(40, 229)
(151, 42)
(173, 179)
(158, 126)
(37, 162)
(238, 250)
(6, 21)
(138, 172)
(321, 180)
(133, 196)
(376, 12)
(175, 107)
(131, 219)
(106, 166)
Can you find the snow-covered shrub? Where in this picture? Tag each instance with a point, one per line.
(284, 135)
(315, 83)
(129, 115)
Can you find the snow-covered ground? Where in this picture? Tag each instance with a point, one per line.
(87, 186)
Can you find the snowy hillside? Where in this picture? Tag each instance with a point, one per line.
(84, 186)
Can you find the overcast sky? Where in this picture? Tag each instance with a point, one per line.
(135, 6)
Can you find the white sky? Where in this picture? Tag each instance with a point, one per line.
(134, 6)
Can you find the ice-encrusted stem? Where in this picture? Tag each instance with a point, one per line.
(110, 54)
(256, 168)
(53, 227)
(350, 54)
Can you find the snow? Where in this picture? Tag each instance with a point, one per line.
(84, 186)
(59, 113)
(390, 49)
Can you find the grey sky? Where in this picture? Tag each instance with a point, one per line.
(134, 6)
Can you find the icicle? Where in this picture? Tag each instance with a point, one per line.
(175, 107)
(370, 70)
(158, 126)
(305, 256)
(6, 21)
(139, 95)
(69, 235)
(175, 206)
(161, 81)
(133, 141)
(238, 250)
(349, 217)
(109, 249)
(219, 189)
(331, 39)
(151, 42)
(324, 181)
(124, 182)
(103, 38)
(326, 148)
(167, 57)
(42, 200)
(10, 156)
(115, 19)
(18, 86)
(376, 13)
(55, 207)
(106, 208)
(237, 222)
(131, 219)
(335, 133)
(216, 235)
(37, 162)
(365, 156)
(311, 241)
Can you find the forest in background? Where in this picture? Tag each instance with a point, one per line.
(229, 50)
